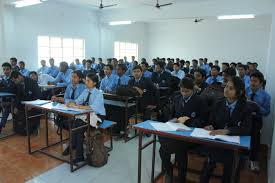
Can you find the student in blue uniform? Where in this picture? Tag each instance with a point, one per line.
(146, 73)
(161, 77)
(242, 74)
(200, 84)
(190, 109)
(215, 77)
(25, 72)
(256, 93)
(64, 76)
(109, 82)
(88, 69)
(177, 72)
(43, 69)
(230, 116)
(78, 65)
(52, 70)
(122, 78)
(14, 66)
(6, 85)
(91, 98)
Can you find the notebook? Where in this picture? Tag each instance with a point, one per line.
(202, 133)
(170, 126)
(36, 102)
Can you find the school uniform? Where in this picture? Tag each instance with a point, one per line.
(262, 99)
(214, 79)
(73, 92)
(186, 70)
(24, 72)
(63, 78)
(89, 71)
(130, 67)
(6, 85)
(206, 68)
(236, 118)
(53, 71)
(246, 80)
(94, 99)
(147, 74)
(180, 74)
(43, 70)
(162, 79)
(202, 86)
(109, 83)
(194, 107)
(123, 80)
(15, 68)
(79, 67)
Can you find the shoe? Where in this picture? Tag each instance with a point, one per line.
(66, 152)
(254, 166)
(168, 178)
(78, 159)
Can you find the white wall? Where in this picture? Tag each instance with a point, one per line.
(270, 67)
(134, 33)
(25, 24)
(232, 40)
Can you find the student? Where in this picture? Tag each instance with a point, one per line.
(204, 66)
(34, 76)
(242, 74)
(100, 65)
(84, 63)
(224, 66)
(200, 83)
(91, 98)
(109, 82)
(25, 72)
(94, 65)
(114, 64)
(146, 73)
(256, 93)
(215, 77)
(230, 116)
(53, 70)
(64, 76)
(122, 78)
(131, 65)
(6, 85)
(177, 71)
(88, 69)
(227, 74)
(216, 63)
(187, 68)
(194, 66)
(78, 65)
(14, 66)
(44, 69)
(233, 65)
(189, 109)
(161, 77)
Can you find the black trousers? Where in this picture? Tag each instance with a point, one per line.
(256, 140)
(215, 155)
(169, 147)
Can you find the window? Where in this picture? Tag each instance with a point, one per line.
(126, 49)
(60, 49)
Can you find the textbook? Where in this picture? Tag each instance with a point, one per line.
(202, 133)
(170, 126)
(36, 102)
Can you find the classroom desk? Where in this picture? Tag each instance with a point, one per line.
(48, 108)
(9, 96)
(123, 102)
(53, 88)
(146, 127)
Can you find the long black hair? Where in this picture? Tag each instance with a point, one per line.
(80, 75)
(239, 87)
(94, 78)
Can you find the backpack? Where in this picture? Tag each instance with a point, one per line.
(97, 155)
(127, 91)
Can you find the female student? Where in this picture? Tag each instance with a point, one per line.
(91, 98)
(230, 116)
(191, 110)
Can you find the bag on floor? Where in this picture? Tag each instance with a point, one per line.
(97, 155)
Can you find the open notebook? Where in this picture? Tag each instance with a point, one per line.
(170, 126)
(202, 133)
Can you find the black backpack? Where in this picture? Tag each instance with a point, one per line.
(126, 91)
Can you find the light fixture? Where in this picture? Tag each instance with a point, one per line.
(231, 17)
(120, 22)
(23, 3)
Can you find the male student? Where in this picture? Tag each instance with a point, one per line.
(25, 72)
(14, 66)
(194, 66)
(6, 85)
(161, 77)
(64, 76)
(216, 63)
(131, 65)
(100, 65)
(52, 70)
(114, 64)
(44, 69)
(200, 83)
(109, 82)
(215, 77)
(225, 65)
(177, 71)
(88, 69)
(242, 74)
(189, 109)
(187, 68)
(256, 93)
(26, 90)
(204, 65)
(144, 65)
(78, 65)
(122, 78)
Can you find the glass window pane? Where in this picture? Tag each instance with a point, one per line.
(43, 41)
(78, 43)
(68, 52)
(78, 52)
(122, 46)
(67, 43)
(55, 42)
(56, 52)
(43, 52)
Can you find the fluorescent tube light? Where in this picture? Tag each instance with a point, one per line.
(23, 3)
(231, 17)
(120, 23)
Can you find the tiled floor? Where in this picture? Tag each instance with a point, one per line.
(17, 166)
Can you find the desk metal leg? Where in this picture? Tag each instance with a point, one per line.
(139, 155)
(71, 145)
(153, 159)
(28, 130)
(235, 171)
(46, 129)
